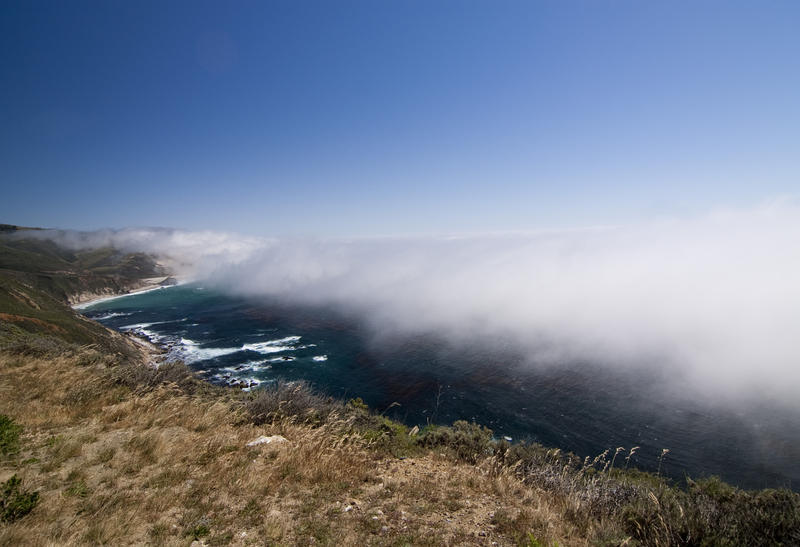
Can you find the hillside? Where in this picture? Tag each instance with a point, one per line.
(97, 446)
(38, 279)
(68, 274)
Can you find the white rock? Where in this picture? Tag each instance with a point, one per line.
(263, 439)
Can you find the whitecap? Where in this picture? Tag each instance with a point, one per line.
(266, 349)
(136, 326)
(320, 358)
(287, 340)
(201, 354)
(145, 325)
(282, 359)
(254, 366)
(153, 337)
(191, 352)
(272, 346)
(111, 315)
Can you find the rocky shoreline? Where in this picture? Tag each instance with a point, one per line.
(156, 353)
(152, 354)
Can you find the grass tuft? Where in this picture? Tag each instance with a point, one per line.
(15, 502)
(9, 436)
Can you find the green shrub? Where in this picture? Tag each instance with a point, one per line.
(15, 503)
(467, 441)
(712, 512)
(723, 514)
(357, 404)
(386, 435)
(9, 435)
(200, 529)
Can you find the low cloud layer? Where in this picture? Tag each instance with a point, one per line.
(187, 253)
(714, 299)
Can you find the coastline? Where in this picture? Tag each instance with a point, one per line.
(152, 353)
(156, 353)
(85, 300)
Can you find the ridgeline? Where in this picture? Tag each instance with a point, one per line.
(99, 446)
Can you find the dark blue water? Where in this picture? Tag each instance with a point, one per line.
(423, 379)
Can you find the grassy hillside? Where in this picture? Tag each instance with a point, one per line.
(99, 447)
(64, 273)
(39, 278)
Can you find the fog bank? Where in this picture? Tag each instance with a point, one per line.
(187, 253)
(715, 300)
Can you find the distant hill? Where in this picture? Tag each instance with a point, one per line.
(13, 228)
(39, 279)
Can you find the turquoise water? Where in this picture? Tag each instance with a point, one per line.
(423, 379)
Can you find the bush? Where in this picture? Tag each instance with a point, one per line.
(143, 378)
(386, 435)
(282, 400)
(467, 441)
(357, 404)
(712, 512)
(9, 435)
(15, 503)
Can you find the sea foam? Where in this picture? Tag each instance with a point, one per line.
(193, 353)
(272, 346)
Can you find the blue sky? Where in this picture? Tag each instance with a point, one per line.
(375, 118)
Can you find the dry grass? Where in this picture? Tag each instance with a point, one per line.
(121, 456)
(116, 464)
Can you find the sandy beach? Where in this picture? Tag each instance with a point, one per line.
(84, 300)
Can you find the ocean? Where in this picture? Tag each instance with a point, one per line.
(425, 379)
